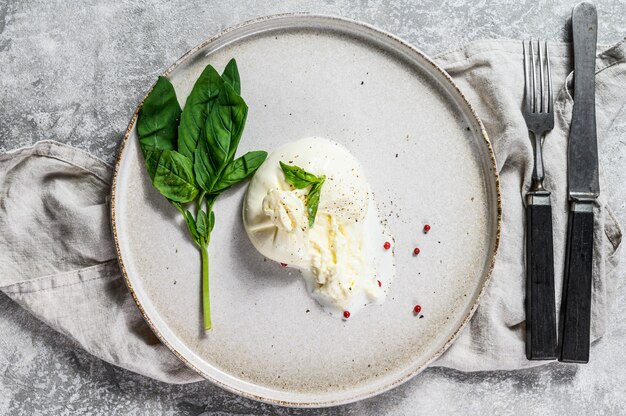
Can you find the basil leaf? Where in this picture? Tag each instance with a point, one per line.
(202, 224)
(191, 225)
(297, 176)
(211, 221)
(231, 76)
(206, 173)
(313, 200)
(151, 157)
(157, 123)
(240, 169)
(158, 117)
(300, 179)
(193, 118)
(224, 125)
(174, 177)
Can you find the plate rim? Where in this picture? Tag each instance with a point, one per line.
(493, 170)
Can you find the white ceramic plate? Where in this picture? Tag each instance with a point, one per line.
(428, 160)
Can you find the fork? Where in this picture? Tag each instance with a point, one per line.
(539, 116)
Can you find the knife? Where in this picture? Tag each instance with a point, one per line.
(583, 186)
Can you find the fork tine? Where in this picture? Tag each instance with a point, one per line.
(532, 73)
(541, 97)
(549, 80)
(526, 79)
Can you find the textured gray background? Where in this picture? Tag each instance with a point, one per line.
(74, 71)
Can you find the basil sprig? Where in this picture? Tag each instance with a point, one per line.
(300, 179)
(190, 154)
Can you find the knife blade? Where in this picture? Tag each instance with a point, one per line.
(583, 150)
(584, 188)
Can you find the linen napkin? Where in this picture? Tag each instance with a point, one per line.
(57, 256)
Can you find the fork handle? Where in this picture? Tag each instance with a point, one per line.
(538, 173)
(540, 308)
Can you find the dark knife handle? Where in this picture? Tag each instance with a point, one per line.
(575, 317)
(540, 308)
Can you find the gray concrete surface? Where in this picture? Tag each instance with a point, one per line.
(74, 71)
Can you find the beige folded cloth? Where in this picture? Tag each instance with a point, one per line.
(57, 257)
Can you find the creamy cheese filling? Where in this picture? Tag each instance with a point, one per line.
(341, 256)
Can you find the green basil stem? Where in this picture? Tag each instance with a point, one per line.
(206, 298)
(204, 249)
(201, 198)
